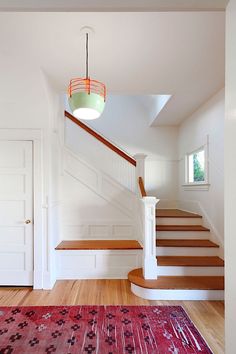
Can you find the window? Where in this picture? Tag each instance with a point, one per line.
(196, 168)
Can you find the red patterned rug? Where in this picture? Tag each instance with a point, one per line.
(98, 329)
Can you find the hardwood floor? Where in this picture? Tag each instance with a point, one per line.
(208, 316)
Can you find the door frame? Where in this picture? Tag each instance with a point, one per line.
(35, 136)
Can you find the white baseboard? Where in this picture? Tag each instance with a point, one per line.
(49, 280)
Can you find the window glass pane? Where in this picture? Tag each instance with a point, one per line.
(199, 166)
(196, 166)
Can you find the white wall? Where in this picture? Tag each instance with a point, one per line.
(126, 123)
(230, 176)
(207, 121)
(25, 104)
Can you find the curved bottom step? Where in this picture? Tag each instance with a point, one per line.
(177, 287)
(159, 294)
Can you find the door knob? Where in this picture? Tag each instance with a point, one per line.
(27, 221)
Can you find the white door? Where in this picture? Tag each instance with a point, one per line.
(16, 213)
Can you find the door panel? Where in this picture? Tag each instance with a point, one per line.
(16, 206)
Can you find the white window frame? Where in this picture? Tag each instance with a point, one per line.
(204, 185)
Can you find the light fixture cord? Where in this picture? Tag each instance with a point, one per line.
(87, 73)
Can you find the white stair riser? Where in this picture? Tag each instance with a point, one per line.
(202, 235)
(169, 294)
(189, 271)
(179, 221)
(187, 251)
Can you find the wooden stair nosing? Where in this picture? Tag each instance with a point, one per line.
(185, 243)
(190, 261)
(198, 228)
(98, 245)
(177, 282)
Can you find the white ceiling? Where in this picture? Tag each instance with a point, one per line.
(174, 53)
(112, 5)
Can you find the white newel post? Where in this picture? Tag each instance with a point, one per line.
(149, 246)
(140, 169)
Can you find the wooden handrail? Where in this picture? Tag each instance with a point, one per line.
(101, 138)
(141, 187)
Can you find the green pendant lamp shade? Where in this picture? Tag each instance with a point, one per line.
(86, 97)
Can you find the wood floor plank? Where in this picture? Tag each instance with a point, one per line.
(208, 316)
(177, 282)
(185, 243)
(190, 261)
(175, 213)
(99, 245)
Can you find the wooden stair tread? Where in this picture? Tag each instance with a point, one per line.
(177, 282)
(187, 261)
(185, 243)
(181, 228)
(175, 213)
(99, 245)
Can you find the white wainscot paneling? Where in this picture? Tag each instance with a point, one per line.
(73, 232)
(97, 264)
(98, 231)
(81, 171)
(122, 231)
(121, 196)
(105, 230)
(100, 183)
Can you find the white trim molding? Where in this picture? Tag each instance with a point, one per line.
(196, 186)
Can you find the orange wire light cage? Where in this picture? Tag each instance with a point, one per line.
(87, 85)
(86, 97)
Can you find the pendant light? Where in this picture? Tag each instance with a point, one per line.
(86, 96)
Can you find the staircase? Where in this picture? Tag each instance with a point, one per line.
(176, 251)
(188, 266)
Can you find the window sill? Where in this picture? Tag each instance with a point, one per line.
(196, 186)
